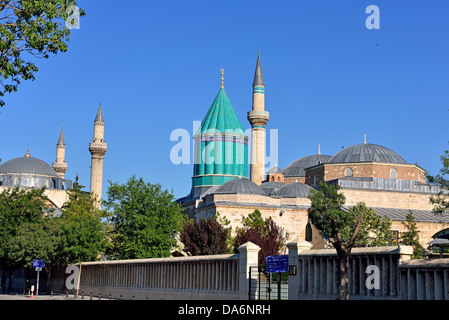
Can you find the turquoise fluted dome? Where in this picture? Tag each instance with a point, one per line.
(221, 146)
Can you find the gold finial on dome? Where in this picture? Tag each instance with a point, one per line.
(28, 152)
(222, 73)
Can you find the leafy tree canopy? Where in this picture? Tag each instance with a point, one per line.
(207, 236)
(145, 219)
(31, 29)
(264, 233)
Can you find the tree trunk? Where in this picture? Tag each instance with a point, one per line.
(343, 277)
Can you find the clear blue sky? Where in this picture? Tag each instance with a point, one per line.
(155, 67)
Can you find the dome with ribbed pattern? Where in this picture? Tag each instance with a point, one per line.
(366, 152)
(296, 168)
(240, 186)
(294, 190)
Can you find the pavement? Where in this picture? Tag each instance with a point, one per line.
(38, 297)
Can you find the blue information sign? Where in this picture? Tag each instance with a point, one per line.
(277, 264)
(38, 263)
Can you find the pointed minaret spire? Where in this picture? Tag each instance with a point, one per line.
(97, 148)
(222, 80)
(61, 141)
(258, 118)
(60, 165)
(258, 76)
(99, 117)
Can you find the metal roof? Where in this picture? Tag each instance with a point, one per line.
(258, 77)
(401, 214)
(367, 153)
(240, 186)
(296, 168)
(27, 165)
(294, 190)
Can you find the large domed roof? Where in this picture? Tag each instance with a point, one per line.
(241, 186)
(296, 168)
(294, 190)
(366, 152)
(27, 165)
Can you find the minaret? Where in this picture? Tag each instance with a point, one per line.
(60, 166)
(97, 149)
(258, 118)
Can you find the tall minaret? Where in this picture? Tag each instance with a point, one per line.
(258, 118)
(60, 166)
(97, 149)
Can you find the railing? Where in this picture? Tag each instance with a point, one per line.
(425, 279)
(316, 272)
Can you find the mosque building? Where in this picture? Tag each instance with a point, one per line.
(366, 172)
(30, 172)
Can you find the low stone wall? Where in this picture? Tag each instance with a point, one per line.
(316, 272)
(425, 279)
(216, 277)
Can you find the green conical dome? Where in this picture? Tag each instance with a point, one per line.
(221, 116)
(221, 147)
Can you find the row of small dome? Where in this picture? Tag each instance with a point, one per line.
(364, 152)
(246, 186)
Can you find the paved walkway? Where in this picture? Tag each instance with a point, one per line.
(39, 297)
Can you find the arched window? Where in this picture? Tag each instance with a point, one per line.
(314, 180)
(279, 179)
(393, 174)
(272, 178)
(308, 232)
(348, 172)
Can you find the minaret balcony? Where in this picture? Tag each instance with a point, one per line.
(258, 118)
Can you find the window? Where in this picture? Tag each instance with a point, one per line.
(348, 172)
(394, 238)
(314, 180)
(393, 174)
(308, 232)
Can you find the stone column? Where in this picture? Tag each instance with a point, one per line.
(294, 281)
(249, 257)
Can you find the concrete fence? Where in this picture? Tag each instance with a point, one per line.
(201, 277)
(425, 279)
(316, 276)
(377, 273)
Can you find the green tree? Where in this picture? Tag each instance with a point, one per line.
(23, 232)
(145, 220)
(411, 236)
(82, 229)
(375, 231)
(264, 233)
(31, 29)
(440, 201)
(207, 236)
(341, 227)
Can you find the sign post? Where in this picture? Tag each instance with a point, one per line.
(277, 264)
(38, 265)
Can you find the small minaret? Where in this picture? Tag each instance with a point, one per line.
(60, 166)
(258, 118)
(97, 149)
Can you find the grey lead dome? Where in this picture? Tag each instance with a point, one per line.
(367, 153)
(27, 165)
(296, 168)
(240, 186)
(294, 190)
